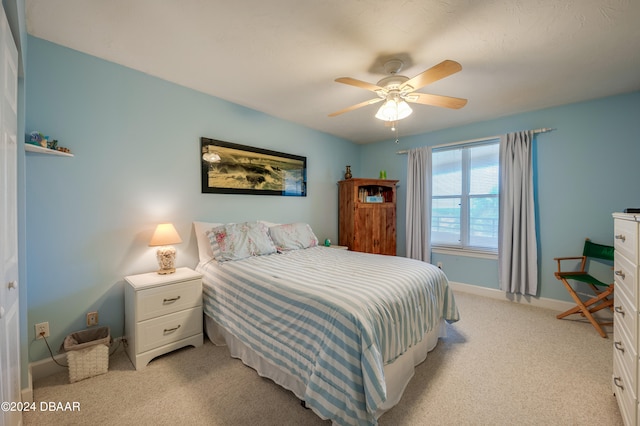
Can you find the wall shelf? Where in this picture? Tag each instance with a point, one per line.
(35, 148)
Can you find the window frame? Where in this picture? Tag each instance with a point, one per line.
(464, 248)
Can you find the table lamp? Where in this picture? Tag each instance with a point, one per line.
(165, 235)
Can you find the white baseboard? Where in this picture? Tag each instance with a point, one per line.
(540, 302)
(46, 367)
(41, 369)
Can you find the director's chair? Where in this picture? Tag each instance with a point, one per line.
(603, 292)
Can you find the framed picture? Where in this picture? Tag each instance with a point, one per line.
(229, 168)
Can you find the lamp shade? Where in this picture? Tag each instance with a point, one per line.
(164, 235)
(393, 110)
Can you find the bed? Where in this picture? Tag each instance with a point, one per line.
(342, 330)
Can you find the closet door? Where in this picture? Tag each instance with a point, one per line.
(9, 316)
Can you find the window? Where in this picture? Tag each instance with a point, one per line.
(464, 209)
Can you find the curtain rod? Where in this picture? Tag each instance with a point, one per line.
(536, 131)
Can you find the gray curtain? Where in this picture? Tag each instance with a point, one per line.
(517, 242)
(418, 218)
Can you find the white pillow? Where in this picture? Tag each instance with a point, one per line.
(293, 236)
(205, 253)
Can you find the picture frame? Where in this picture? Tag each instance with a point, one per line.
(230, 168)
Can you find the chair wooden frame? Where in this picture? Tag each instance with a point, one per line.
(603, 298)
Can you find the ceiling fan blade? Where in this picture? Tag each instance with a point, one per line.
(436, 100)
(358, 83)
(435, 73)
(352, 107)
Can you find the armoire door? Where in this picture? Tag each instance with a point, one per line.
(386, 223)
(375, 229)
(365, 233)
(9, 303)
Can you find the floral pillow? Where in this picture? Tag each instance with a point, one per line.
(205, 249)
(293, 236)
(236, 241)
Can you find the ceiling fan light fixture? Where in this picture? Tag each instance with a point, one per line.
(396, 90)
(393, 110)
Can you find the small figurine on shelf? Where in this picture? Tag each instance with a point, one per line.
(347, 173)
(37, 138)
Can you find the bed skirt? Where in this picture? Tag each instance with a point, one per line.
(397, 374)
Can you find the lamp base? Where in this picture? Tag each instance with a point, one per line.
(166, 260)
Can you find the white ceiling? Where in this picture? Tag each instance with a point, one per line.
(282, 56)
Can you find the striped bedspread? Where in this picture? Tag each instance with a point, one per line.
(332, 318)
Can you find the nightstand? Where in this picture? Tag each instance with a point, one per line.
(162, 313)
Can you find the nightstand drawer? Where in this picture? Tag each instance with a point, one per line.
(157, 301)
(169, 328)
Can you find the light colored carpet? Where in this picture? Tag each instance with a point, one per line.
(501, 364)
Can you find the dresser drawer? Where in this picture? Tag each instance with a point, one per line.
(624, 353)
(167, 329)
(156, 301)
(625, 315)
(626, 239)
(626, 278)
(623, 388)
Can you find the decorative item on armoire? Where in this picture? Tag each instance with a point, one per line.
(347, 173)
(383, 174)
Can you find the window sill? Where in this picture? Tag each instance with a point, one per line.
(453, 251)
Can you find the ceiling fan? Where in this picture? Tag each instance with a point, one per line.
(396, 90)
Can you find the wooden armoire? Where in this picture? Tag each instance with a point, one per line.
(367, 221)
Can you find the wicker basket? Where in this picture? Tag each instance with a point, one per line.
(87, 353)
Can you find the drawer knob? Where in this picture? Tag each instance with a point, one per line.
(170, 330)
(12, 285)
(618, 346)
(619, 310)
(173, 299)
(620, 274)
(617, 381)
(621, 237)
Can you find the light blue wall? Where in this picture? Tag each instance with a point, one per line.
(135, 141)
(586, 169)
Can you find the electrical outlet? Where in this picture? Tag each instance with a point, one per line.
(92, 318)
(42, 330)
(439, 265)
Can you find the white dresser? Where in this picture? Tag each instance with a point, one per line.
(162, 313)
(625, 329)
